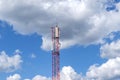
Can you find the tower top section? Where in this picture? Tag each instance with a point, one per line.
(57, 33)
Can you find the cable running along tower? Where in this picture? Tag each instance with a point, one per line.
(55, 53)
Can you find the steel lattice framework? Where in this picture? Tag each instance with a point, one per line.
(55, 54)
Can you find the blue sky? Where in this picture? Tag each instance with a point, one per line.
(41, 62)
(89, 39)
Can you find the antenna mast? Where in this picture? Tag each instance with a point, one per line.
(55, 53)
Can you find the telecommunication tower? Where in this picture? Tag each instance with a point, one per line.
(55, 53)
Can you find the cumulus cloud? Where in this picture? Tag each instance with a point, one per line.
(9, 63)
(107, 71)
(68, 73)
(110, 50)
(110, 69)
(14, 77)
(39, 77)
(80, 22)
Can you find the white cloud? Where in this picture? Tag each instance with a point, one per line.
(46, 43)
(26, 79)
(7, 63)
(39, 77)
(14, 77)
(110, 50)
(107, 71)
(17, 51)
(68, 73)
(80, 22)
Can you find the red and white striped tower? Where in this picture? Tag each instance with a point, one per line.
(55, 53)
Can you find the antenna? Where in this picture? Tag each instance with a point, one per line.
(55, 53)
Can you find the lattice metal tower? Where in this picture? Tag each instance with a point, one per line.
(55, 53)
